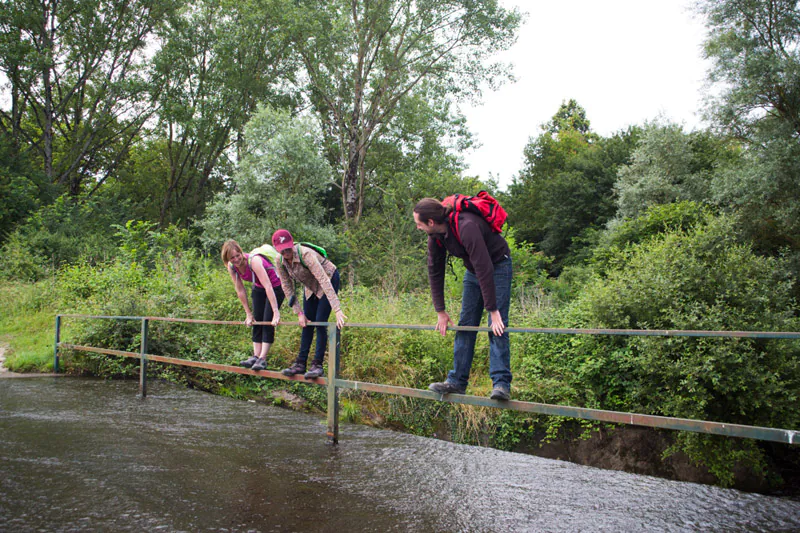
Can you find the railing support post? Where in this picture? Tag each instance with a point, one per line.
(333, 373)
(143, 361)
(58, 340)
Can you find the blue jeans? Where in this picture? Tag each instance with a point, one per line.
(471, 314)
(317, 310)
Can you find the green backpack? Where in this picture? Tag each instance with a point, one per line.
(319, 249)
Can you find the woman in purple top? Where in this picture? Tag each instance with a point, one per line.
(266, 293)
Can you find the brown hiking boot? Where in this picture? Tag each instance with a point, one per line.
(315, 372)
(297, 368)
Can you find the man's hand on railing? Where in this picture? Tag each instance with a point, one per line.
(442, 322)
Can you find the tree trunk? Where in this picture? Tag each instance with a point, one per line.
(16, 108)
(47, 47)
(350, 191)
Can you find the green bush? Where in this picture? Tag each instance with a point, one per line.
(65, 232)
(698, 279)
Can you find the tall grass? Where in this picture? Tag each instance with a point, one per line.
(27, 325)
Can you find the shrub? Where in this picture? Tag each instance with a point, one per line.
(697, 279)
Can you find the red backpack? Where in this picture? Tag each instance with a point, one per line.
(482, 204)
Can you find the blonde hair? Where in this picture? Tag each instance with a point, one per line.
(228, 248)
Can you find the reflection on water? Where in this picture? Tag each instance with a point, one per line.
(88, 455)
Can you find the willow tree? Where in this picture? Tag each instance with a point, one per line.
(754, 48)
(363, 57)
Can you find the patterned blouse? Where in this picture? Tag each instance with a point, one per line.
(315, 277)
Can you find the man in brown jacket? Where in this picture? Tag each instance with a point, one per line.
(487, 284)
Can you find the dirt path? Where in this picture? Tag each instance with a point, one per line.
(3, 368)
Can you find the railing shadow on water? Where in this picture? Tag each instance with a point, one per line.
(333, 382)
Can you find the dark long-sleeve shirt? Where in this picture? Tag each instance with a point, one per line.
(480, 248)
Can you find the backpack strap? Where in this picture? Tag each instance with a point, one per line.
(300, 255)
(249, 259)
(453, 221)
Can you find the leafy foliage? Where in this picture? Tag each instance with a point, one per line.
(566, 186)
(668, 166)
(278, 185)
(62, 233)
(701, 278)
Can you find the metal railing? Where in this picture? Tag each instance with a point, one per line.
(333, 382)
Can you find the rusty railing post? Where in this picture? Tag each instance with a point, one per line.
(333, 373)
(58, 340)
(143, 360)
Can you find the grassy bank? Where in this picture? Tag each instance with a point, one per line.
(27, 326)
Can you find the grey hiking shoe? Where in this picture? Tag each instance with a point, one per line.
(445, 387)
(260, 364)
(315, 372)
(296, 368)
(500, 392)
(247, 363)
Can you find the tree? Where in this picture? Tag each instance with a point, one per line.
(755, 49)
(219, 60)
(753, 45)
(570, 116)
(362, 58)
(279, 184)
(565, 186)
(77, 85)
(669, 165)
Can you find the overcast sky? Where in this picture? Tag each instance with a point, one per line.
(624, 61)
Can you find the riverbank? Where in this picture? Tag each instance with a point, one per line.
(5, 373)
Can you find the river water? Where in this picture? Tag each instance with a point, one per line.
(89, 455)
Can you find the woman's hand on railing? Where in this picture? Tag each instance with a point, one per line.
(340, 318)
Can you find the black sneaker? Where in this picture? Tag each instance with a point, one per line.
(500, 392)
(247, 363)
(445, 387)
(260, 364)
(296, 368)
(315, 372)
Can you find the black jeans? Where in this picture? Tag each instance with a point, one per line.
(317, 310)
(262, 312)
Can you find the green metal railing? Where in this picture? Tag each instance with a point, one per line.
(333, 382)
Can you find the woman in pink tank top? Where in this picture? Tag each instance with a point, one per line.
(266, 293)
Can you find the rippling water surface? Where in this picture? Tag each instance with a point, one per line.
(89, 455)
